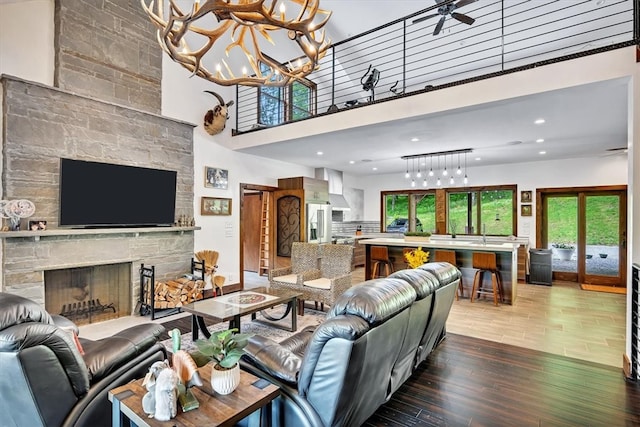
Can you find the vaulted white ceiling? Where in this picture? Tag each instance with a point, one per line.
(582, 121)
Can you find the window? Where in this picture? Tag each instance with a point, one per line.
(270, 105)
(301, 99)
(461, 214)
(426, 211)
(295, 101)
(409, 211)
(482, 211)
(491, 210)
(396, 207)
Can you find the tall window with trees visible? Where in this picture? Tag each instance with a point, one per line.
(483, 211)
(471, 211)
(418, 208)
(278, 105)
(396, 206)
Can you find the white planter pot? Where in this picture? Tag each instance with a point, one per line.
(225, 381)
(564, 254)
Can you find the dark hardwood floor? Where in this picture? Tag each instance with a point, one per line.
(473, 382)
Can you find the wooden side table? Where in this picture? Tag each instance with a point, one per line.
(214, 410)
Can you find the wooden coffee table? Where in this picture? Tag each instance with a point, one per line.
(215, 409)
(233, 306)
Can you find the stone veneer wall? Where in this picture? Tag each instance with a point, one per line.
(108, 50)
(42, 124)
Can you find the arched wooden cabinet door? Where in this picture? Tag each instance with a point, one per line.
(289, 220)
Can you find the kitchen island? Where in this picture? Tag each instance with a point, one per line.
(506, 255)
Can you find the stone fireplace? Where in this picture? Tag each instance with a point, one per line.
(70, 258)
(105, 108)
(43, 124)
(84, 128)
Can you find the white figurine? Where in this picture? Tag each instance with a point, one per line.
(166, 395)
(149, 399)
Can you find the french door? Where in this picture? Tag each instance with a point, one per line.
(586, 230)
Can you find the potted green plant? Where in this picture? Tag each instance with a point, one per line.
(224, 348)
(564, 250)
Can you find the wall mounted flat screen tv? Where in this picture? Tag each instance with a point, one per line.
(94, 194)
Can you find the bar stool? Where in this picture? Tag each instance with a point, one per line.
(450, 257)
(380, 255)
(486, 262)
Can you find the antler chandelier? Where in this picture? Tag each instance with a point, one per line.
(239, 26)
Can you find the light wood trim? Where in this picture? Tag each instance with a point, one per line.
(244, 187)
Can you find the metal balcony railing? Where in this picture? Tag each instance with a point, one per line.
(507, 36)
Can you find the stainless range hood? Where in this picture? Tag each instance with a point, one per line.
(336, 197)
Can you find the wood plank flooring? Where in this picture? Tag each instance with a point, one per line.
(473, 382)
(560, 319)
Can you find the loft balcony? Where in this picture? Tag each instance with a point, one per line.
(404, 58)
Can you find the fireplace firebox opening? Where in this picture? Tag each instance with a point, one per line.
(89, 294)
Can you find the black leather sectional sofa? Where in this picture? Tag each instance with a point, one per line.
(373, 338)
(45, 380)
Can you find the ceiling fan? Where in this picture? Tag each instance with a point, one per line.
(448, 9)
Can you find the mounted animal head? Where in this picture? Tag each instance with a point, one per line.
(216, 119)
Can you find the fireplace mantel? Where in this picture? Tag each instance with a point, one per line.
(134, 231)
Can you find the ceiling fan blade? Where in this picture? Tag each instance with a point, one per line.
(439, 26)
(463, 3)
(424, 18)
(463, 18)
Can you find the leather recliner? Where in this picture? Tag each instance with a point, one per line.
(377, 332)
(46, 381)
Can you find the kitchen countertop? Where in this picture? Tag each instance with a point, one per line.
(452, 243)
(368, 236)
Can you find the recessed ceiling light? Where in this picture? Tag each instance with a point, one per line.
(478, 158)
(414, 139)
(319, 153)
(539, 121)
(539, 140)
(375, 169)
(542, 152)
(351, 162)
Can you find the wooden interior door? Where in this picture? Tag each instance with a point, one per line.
(251, 220)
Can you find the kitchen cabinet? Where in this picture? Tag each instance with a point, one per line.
(314, 191)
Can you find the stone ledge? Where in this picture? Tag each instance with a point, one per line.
(92, 231)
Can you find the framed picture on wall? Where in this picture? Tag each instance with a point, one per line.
(216, 178)
(215, 206)
(525, 210)
(525, 197)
